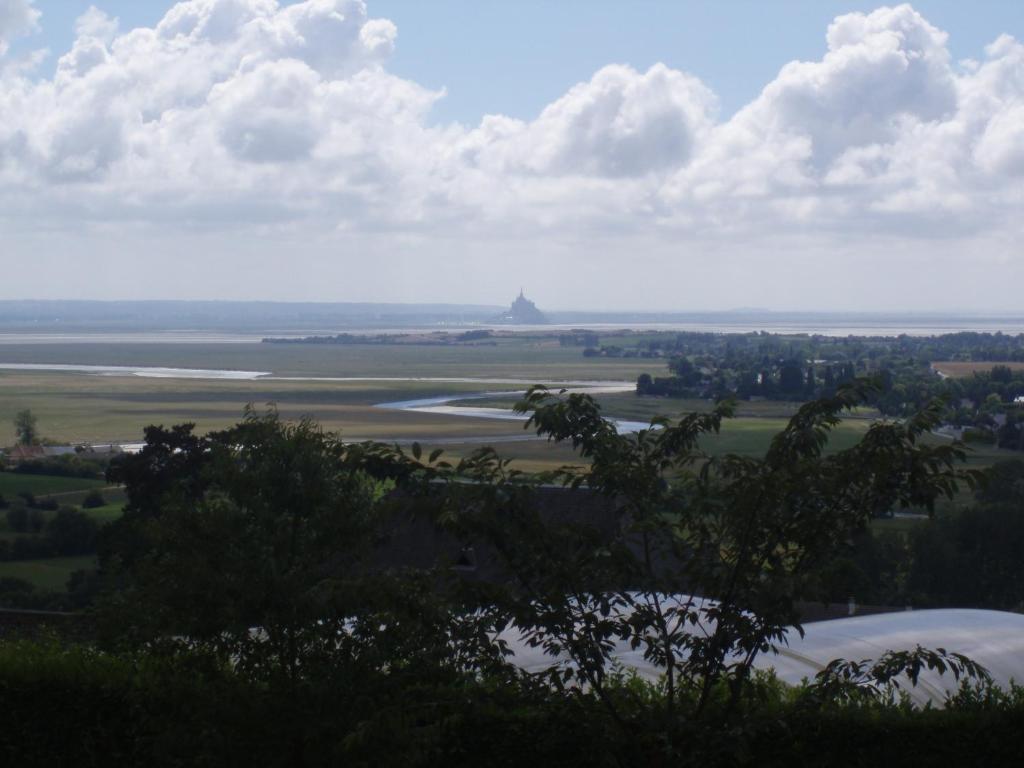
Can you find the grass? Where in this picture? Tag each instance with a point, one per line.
(51, 574)
(527, 456)
(107, 513)
(959, 369)
(96, 409)
(12, 483)
(90, 408)
(529, 358)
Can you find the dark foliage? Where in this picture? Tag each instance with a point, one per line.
(248, 624)
(93, 499)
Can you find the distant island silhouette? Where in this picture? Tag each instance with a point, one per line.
(522, 311)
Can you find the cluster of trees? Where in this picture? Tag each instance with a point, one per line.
(436, 338)
(613, 350)
(579, 338)
(968, 557)
(28, 499)
(66, 533)
(803, 368)
(279, 527)
(917, 350)
(68, 465)
(783, 379)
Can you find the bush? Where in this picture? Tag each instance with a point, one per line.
(4, 503)
(186, 709)
(47, 505)
(21, 594)
(63, 466)
(93, 499)
(31, 548)
(36, 521)
(71, 532)
(17, 518)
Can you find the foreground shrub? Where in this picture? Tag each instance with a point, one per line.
(75, 706)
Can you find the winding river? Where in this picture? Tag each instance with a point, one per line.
(441, 404)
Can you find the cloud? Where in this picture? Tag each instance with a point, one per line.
(230, 113)
(17, 17)
(619, 124)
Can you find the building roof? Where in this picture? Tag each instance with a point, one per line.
(26, 452)
(994, 639)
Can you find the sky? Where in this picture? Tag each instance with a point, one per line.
(647, 155)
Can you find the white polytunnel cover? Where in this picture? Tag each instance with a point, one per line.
(994, 639)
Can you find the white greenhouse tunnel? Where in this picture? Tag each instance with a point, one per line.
(993, 639)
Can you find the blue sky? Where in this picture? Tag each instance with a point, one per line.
(807, 154)
(516, 56)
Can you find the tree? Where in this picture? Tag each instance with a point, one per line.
(791, 378)
(265, 525)
(811, 384)
(71, 532)
(93, 499)
(728, 543)
(25, 427)
(1002, 374)
(680, 366)
(254, 543)
(239, 530)
(973, 558)
(17, 518)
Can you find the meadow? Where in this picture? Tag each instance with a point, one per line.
(959, 369)
(97, 408)
(93, 408)
(12, 483)
(78, 408)
(50, 574)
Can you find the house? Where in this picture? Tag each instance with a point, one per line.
(21, 453)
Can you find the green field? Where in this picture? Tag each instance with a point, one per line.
(94, 408)
(50, 574)
(529, 358)
(77, 407)
(107, 513)
(11, 483)
(99, 408)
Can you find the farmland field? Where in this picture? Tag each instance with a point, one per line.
(80, 407)
(529, 357)
(88, 407)
(342, 387)
(50, 574)
(959, 368)
(12, 483)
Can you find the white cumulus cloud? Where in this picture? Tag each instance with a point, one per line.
(231, 114)
(17, 17)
